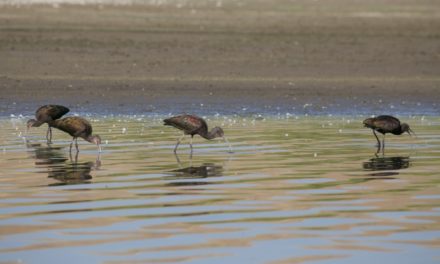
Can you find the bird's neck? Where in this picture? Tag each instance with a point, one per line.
(208, 135)
(398, 131)
(401, 131)
(37, 123)
(89, 138)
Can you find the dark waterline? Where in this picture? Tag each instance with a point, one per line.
(230, 106)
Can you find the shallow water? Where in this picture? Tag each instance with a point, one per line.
(296, 189)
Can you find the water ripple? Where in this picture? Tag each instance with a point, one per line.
(311, 185)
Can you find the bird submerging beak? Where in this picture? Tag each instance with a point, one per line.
(96, 139)
(194, 125)
(217, 132)
(385, 124)
(30, 123)
(405, 128)
(47, 114)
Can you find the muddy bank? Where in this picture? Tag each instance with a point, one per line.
(295, 57)
(211, 97)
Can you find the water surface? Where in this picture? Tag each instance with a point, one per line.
(297, 189)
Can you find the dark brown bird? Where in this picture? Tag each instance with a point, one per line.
(47, 114)
(193, 125)
(386, 124)
(77, 127)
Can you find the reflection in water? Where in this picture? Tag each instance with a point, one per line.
(204, 171)
(273, 193)
(386, 164)
(54, 160)
(71, 173)
(182, 175)
(46, 155)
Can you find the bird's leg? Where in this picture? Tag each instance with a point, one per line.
(178, 142)
(378, 141)
(178, 160)
(71, 143)
(50, 134)
(47, 135)
(76, 145)
(191, 144)
(383, 145)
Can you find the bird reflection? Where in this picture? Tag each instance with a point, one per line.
(206, 170)
(386, 164)
(72, 173)
(59, 167)
(47, 155)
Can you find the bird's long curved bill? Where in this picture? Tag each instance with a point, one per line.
(229, 144)
(100, 149)
(411, 132)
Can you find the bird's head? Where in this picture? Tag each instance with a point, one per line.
(368, 122)
(405, 128)
(30, 123)
(217, 132)
(95, 139)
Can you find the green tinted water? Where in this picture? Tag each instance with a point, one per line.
(296, 189)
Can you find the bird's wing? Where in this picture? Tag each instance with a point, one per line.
(51, 112)
(386, 123)
(388, 118)
(74, 126)
(57, 111)
(187, 123)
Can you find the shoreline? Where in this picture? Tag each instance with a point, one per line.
(228, 98)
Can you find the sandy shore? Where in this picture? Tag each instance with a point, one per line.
(298, 57)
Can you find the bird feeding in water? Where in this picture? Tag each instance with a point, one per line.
(386, 124)
(193, 125)
(47, 114)
(77, 127)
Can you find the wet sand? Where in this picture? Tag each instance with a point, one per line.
(303, 57)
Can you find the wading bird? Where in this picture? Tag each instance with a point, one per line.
(193, 125)
(386, 124)
(77, 127)
(47, 114)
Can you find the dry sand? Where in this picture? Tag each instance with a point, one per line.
(334, 56)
